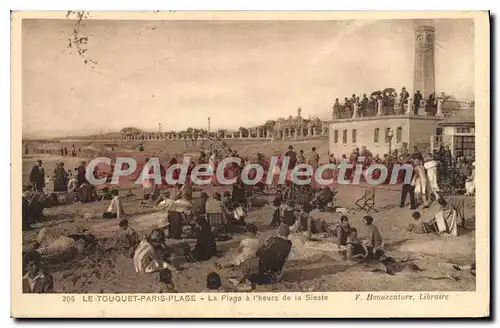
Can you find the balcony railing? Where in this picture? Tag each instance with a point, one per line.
(390, 107)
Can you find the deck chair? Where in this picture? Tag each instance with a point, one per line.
(302, 195)
(367, 202)
(458, 205)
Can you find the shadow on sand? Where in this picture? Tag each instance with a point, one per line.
(391, 246)
(301, 275)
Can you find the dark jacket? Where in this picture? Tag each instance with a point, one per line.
(199, 206)
(273, 255)
(60, 179)
(205, 246)
(44, 283)
(37, 177)
(292, 159)
(417, 98)
(289, 217)
(80, 178)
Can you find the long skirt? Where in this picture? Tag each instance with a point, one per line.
(250, 267)
(175, 220)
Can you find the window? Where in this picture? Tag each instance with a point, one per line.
(464, 146)
(464, 130)
(354, 136)
(399, 135)
(387, 135)
(344, 136)
(336, 136)
(376, 135)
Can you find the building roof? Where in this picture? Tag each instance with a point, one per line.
(458, 119)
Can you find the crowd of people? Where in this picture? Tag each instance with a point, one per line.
(367, 106)
(212, 219)
(73, 151)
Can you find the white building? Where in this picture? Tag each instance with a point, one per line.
(375, 133)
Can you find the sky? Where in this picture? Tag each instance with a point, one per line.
(238, 73)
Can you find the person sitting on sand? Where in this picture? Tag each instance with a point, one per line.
(276, 219)
(152, 255)
(419, 226)
(445, 219)
(86, 193)
(288, 214)
(115, 209)
(238, 193)
(246, 250)
(35, 280)
(373, 242)
(303, 216)
(273, 256)
(217, 215)
(48, 242)
(127, 240)
(341, 231)
(324, 198)
(245, 264)
(354, 248)
(205, 246)
(317, 225)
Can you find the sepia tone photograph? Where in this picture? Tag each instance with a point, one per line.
(246, 156)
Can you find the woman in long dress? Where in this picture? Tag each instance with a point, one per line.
(60, 179)
(420, 180)
(431, 167)
(470, 184)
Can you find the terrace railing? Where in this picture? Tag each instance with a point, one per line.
(389, 107)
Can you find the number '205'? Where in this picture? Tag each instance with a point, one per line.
(68, 299)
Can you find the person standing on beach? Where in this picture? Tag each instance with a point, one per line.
(37, 176)
(80, 177)
(408, 189)
(292, 156)
(60, 178)
(314, 159)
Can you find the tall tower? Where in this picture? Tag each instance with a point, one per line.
(423, 75)
(208, 125)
